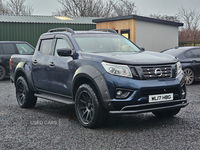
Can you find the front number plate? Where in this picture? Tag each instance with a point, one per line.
(160, 97)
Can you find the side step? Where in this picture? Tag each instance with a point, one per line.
(56, 98)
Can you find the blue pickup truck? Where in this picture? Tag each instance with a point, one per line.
(99, 73)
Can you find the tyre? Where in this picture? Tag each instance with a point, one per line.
(189, 76)
(25, 97)
(88, 108)
(166, 113)
(2, 72)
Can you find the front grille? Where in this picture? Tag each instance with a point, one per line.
(146, 93)
(157, 72)
(156, 91)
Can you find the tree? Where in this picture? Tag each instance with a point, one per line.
(15, 7)
(3, 9)
(165, 17)
(84, 8)
(96, 8)
(1, 5)
(190, 18)
(123, 7)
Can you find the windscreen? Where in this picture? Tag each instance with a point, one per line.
(104, 43)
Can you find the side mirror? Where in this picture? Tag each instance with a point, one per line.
(142, 48)
(65, 52)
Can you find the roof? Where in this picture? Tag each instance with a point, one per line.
(141, 18)
(47, 19)
(12, 42)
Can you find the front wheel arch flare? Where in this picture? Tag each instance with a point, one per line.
(91, 75)
(88, 108)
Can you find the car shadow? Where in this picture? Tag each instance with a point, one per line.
(56, 109)
(122, 122)
(141, 121)
(5, 79)
(194, 83)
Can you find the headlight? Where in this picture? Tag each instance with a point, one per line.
(178, 67)
(119, 70)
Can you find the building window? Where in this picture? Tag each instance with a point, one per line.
(126, 33)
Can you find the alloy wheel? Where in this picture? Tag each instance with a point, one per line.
(189, 76)
(85, 106)
(21, 92)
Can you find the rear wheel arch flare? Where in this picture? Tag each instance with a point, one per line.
(18, 74)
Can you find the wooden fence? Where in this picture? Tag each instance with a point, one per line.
(189, 43)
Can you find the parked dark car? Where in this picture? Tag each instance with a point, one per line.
(190, 60)
(8, 48)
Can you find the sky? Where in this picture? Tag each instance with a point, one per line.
(143, 7)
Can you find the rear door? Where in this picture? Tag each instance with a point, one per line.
(196, 61)
(42, 66)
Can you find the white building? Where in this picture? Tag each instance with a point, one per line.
(152, 34)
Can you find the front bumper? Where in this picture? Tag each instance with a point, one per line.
(149, 107)
(138, 100)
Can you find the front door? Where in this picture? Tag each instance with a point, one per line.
(62, 73)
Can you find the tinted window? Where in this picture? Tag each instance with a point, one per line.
(9, 48)
(46, 47)
(196, 53)
(1, 49)
(188, 54)
(24, 49)
(61, 43)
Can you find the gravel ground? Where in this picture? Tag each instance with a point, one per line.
(52, 125)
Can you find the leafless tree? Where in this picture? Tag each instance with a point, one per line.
(165, 17)
(1, 5)
(96, 8)
(84, 8)
(15, 7)
(123, 7)
(3, 8)
(190, 18)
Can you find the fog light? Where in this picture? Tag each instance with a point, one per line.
(120, 94)
(183, 92)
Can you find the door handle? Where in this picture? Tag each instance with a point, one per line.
(194, 61)
(35, 62)
(51, 64)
